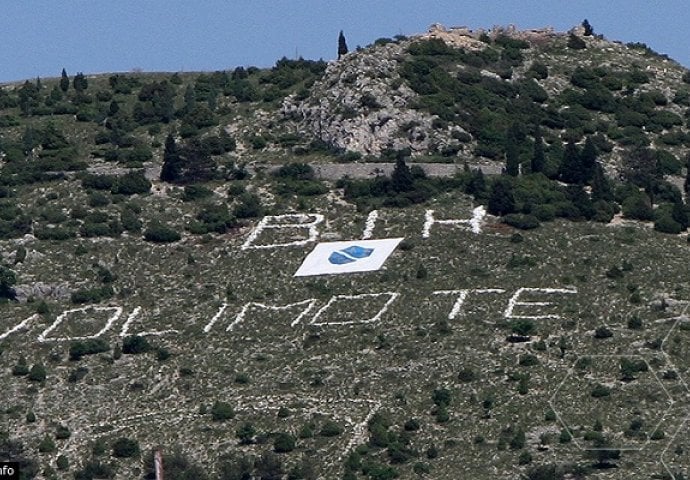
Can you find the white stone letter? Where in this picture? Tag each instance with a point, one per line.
(514, 302)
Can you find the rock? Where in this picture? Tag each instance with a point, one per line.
(42, 291)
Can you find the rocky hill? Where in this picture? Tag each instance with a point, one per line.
(531, 323)
(454, 93)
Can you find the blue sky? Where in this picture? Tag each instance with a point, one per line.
(40, 37)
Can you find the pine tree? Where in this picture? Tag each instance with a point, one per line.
(172, 165)
(538, 157)
(64, 81)
(342, 45)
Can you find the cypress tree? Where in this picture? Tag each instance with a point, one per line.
(80, 83)
(172, 168)
(538, 157)
(476, 185)
(64, 81)
(601, 187)
(342, 45)
(189, 99)
(679, 214)
(512, 158)
(514, 138)
(501, 200)
(571, 166)
(401, 178)
(589, 31)
(588, 160)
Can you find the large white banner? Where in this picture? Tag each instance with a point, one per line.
(347, 257)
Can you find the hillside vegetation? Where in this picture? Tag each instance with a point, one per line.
(151, 224)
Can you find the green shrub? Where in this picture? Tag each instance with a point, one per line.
(130, 221)
(135, 344)
(331, 429)
(98, 182)
(222, 411)
(603, 332)
(295, 171)
(47, 445)
(125, 448)
(283, 443)
(665, 223)
(62, 462)
(92, 295)
(62, 432)
(638, 206)
(89, 346)
(56, 233)
(21, 368)
(248, 206)
(131, 183)
(77, 374)
(196, 192)
(158, 233)
(600, 391)
(521, 221)
(37, 373)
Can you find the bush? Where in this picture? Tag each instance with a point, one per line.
(666, 224)
(331, 429)
(135, 344)
(521, 221)
(92, 295)
(62, 432)
(62, 462)
(295, 171)
(89, 346)
(212, 218)
(603, 332)
(98, 182)
(524, 327)
(638, 206)
(125, 448)
(600, 391)
(248, 206)
(222, 411)
(161, 234)
(37, 373)
(98, 199)
(77, 374)
(131, 183)
(196, 192)
(284, 443)
(47, 445)
(21, 368)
